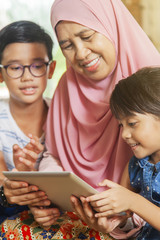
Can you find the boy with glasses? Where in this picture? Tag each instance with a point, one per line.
(25, 66)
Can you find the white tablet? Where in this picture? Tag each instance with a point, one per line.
(59, 186)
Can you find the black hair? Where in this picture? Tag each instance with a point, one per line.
(138, 93)
(24, 32)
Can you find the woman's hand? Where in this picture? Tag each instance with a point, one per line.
(25, 158)
(21, 193)
(86, 213)
(45, 216)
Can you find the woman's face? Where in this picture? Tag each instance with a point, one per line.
(89, 52)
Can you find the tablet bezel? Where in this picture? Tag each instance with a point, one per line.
(59, 186)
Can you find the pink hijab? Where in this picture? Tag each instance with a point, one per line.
(81, 131)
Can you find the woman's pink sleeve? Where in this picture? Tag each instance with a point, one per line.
(121, 233)
(49, 164)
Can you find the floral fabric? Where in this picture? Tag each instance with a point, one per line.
(68, 226)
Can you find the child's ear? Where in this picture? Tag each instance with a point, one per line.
(51, 69)
(1, 78)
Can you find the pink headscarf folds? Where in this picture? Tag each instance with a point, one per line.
(81, 131)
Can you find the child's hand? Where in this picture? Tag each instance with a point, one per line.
(45, 216)
(113, 201)
(24, 159)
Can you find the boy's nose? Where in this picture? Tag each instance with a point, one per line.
(27, 76)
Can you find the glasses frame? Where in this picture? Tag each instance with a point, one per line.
(25, 66)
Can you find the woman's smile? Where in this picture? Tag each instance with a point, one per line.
(90, 53)
(92, 65)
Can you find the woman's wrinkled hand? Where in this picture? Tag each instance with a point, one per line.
(22, 193)
(103, 224)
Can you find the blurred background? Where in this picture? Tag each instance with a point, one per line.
(146, 12)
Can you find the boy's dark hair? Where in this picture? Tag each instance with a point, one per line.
(24, 32)
(138, 93)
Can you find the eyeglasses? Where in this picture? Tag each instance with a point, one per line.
(37, 69)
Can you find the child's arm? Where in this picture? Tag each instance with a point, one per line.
(3, 167)
(122, 199)
(119, 199)
(102, 200)
(125, 180)
(113, 201)
(24, 159)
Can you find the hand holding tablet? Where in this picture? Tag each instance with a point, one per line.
(59, 186)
